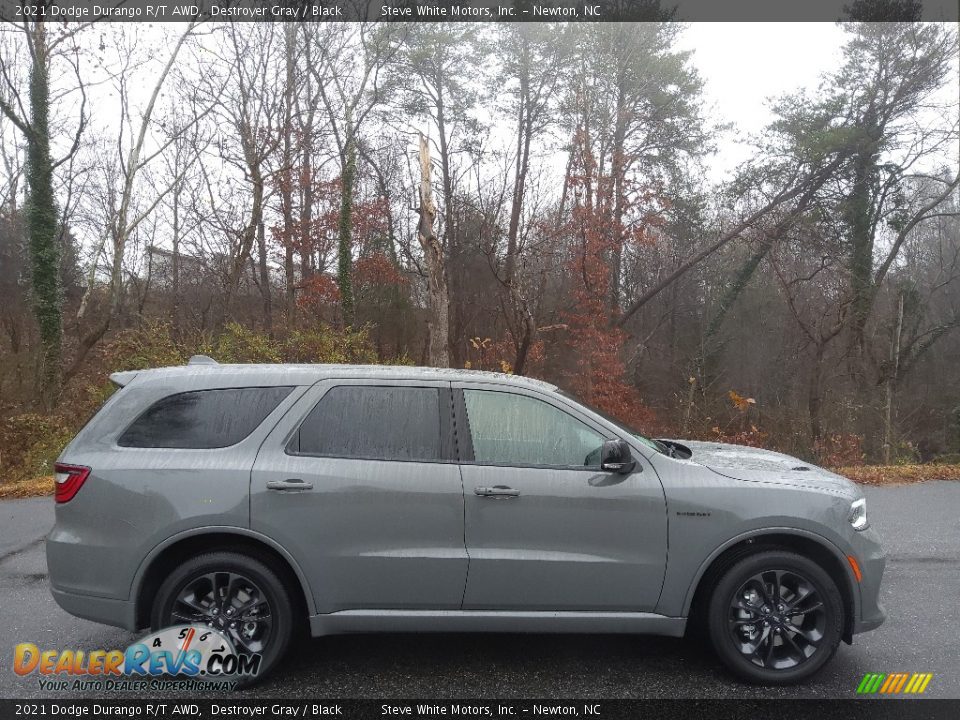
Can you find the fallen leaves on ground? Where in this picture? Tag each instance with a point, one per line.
(35, 487)
(898, 474)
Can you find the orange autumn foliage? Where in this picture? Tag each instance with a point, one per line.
(601, 376)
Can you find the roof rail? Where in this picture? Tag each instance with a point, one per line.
(202, 360)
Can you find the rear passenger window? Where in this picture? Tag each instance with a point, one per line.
(203, 419)
(376, 423)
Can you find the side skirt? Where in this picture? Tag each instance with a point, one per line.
(370, 621)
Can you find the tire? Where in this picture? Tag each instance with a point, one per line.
(792, 646)
(272, 634)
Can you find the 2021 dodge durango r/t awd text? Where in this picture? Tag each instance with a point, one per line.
(257, 499)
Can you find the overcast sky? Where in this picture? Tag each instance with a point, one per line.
(745, 64)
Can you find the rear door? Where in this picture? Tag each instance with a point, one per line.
(359, 483)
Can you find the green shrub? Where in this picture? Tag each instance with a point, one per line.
(326, 344)
(150, 346)
(237, 344)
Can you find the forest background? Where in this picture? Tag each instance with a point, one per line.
(539, 199)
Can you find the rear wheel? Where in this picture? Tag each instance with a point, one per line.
(236, 594)
(775, 618)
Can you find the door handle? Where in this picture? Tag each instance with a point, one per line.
(291, 485)
(499, 492)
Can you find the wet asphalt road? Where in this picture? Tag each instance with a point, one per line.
(920, 525)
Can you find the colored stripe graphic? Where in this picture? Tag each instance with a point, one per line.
(912, 683)
(903, 680)
(894, 683)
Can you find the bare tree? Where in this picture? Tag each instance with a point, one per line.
(438, 324)
(125, 216)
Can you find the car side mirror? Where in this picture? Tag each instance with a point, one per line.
(615, 456)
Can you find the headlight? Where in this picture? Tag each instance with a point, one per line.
(858, 514)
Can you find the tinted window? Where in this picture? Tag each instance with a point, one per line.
(513, 429)
(203, 419)
(385, 423)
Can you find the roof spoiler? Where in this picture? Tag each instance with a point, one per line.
(121, 379)
(202, 360)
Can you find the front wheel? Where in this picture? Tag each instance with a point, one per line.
(235, 594)
(775, 618)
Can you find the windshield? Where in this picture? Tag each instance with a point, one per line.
(649, 442)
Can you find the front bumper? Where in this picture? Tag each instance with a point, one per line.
(872, 560)
(872, 622)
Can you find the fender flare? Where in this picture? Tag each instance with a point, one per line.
(852, 586)
(158, 549)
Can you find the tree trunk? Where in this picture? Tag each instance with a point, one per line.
(524, 132)
(619, 171)
(519, 307)
(175, 263)
(42, 224)
(814, 398)
(892, 377)
(733, 290)
(247, 237)
(264, 278)
(348, 173)
(450, 241)
(438, 325)
(286, 186)
(527, 330)
(306, 209)
(861, 264)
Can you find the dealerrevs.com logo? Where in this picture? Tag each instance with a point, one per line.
(192, 657)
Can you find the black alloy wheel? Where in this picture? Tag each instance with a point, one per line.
(237, 594)
(228, 602)
(775, 617)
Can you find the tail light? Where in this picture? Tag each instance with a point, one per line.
(70, 478)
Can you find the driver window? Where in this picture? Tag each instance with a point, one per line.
(509, 429)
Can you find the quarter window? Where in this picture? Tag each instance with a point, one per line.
(376, 423)
(509, 429)
(203, 419)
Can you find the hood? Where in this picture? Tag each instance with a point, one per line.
(750, 464)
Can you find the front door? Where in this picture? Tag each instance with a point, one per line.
(546, 528)
(359, 483)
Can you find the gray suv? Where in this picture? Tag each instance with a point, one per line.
(257, 499)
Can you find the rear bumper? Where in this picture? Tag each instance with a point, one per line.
(109, 611)
(87, 574)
